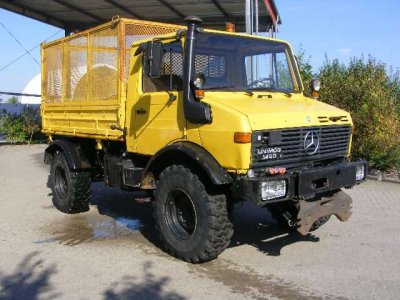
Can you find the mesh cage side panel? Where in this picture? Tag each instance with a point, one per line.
(103, 64)
(103, 75)
(75, 68)
(52, 77)
(87, 67)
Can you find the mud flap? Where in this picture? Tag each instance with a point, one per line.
(309, 212)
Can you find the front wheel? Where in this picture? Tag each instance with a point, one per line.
(193, 224)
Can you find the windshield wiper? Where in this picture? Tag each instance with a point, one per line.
(269, 90)
(221, 87)
(230, 88)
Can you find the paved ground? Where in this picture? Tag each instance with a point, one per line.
(111, 252)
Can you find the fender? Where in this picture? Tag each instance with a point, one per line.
(181, 152)
(74, 155)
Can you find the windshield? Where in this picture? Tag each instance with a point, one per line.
(230, 63)
(241, 63)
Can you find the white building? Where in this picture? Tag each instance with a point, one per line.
(33, 87)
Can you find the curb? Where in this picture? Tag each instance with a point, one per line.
(22, 143)
(383, 179)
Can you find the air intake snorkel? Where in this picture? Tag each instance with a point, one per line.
(195, 111)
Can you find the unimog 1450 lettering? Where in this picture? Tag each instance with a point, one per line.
(199, 119)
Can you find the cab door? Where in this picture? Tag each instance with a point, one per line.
(158, 113)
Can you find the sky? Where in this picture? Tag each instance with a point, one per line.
(339, 29)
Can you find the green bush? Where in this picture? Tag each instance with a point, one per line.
(13, 128)
(372, 97)
(21, 128)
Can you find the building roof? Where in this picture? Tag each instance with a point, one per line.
(80, 14)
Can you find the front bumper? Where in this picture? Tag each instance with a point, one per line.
(302, 184)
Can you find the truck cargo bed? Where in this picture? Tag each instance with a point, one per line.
(84, 78)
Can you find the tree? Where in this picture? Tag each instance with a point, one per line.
(31, 121)
(13, 100)
(372, 97)
(306, 71)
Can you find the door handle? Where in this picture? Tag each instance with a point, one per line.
(141, 111)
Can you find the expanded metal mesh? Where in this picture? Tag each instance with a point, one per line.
(172, 64)
(104, 60)
(91, 65)
(135, 32)
(52, 83)
(75, 68)
(211, 66)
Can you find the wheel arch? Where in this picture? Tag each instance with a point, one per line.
(74, 155)
(187, 153)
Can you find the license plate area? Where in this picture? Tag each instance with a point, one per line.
(314, 181)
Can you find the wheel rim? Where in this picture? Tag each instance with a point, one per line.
(180, 214)
(61, 183)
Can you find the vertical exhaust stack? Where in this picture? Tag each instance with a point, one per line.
(195, 111)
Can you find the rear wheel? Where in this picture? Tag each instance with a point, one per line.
(193, 224)
(71, 190)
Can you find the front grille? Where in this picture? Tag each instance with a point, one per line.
(287, 146)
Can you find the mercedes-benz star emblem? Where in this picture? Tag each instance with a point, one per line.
(311, 142)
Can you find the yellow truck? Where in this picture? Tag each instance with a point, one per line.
(199, 119)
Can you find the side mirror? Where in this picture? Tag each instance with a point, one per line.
(152, 59)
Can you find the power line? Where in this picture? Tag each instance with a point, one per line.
(9, 32)
(28, 52)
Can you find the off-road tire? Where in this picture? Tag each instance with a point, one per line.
(276, 210)
(71, 189)
(212, 229)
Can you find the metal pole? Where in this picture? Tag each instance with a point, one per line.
(256, 25)
(249, 30)
(248, 16)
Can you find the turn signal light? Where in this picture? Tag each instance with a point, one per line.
(230, 27)
(315, 94)
(199, 94)
(242, 137)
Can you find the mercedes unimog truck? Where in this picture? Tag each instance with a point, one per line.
(198, 119)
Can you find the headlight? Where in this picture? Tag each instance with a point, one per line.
(360, 172)
(199, 81)
(315, 85)
(273, 189)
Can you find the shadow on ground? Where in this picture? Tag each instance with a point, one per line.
(254, 226)
(30, 280)
(150, 287)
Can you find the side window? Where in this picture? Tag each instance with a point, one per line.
(172, 71)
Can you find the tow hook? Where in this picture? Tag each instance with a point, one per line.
(288, 217)
(309, 212)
